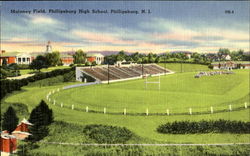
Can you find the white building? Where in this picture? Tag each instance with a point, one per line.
(97, 57)
(48, 48)
(23, 58)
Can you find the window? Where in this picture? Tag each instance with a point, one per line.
(19, 59)
(23, 59)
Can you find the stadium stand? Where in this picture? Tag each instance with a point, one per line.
(115, 73)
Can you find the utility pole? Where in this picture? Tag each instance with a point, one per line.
(108, 72)
(165, 64)
(181, 66)
(142, 72)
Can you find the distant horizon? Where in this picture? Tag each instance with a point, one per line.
(116, 52)
(143, 27)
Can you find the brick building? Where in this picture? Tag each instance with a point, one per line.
(22, 130)
(8, 144)
(97, 57)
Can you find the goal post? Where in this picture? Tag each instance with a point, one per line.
(152, 82)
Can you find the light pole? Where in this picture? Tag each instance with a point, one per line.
(165, 58)
(108, 72)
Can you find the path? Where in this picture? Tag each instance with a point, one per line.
(20, 77)
(81, 144)
(79, 85)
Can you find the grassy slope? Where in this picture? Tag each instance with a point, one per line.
(146, 129)
(27, 71)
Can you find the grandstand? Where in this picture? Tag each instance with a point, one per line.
(112, 73)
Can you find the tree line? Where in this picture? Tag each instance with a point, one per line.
(178, 57)
(218, 126)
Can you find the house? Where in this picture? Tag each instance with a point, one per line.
(227, 57)
(186, 53)
(231, 65)
(16, 57)
(8, 144)
(22, 130)
(27, 58)
(67, 59)
(97, 57)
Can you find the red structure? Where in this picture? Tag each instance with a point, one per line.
(8, 144)
(91, 59)
(67, 59)
(9, 58)
(98, 58)
(22, 130)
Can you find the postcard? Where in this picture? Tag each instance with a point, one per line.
(129, 78)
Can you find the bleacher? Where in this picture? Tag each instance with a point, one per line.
(100, 73)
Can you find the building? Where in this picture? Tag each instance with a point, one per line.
(67, 59)
(228, 65)
(48, 48)
(22, 130)
(186, 53)
(15, 57)
(227, 57)
(27, 58)
(8, 144)
(97, 57)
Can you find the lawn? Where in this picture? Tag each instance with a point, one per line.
(124, 93)
(28, 71)
(185, 67)
(178, 93)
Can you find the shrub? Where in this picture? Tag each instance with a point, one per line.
(108, 134)
(219, 126)
(87, 63)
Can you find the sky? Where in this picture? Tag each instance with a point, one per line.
(201, 26)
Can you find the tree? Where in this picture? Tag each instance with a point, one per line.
(87, 63)
(39, 63)
(111, 59)
(135, 57)
(79, 57)
(4, 63)
(94, 63)
(222, 52)
(53, 59)
(197, 57)
(151, 58)
(41, 116)
(157, 60)
(10, 120)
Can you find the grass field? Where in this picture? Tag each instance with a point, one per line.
(185, 67)
(27, 71)
(145, 130)
(178, 92)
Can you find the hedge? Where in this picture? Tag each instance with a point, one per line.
(7, 86)
(219, 126)
(107, 134)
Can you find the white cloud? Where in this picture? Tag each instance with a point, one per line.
(43, 20)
